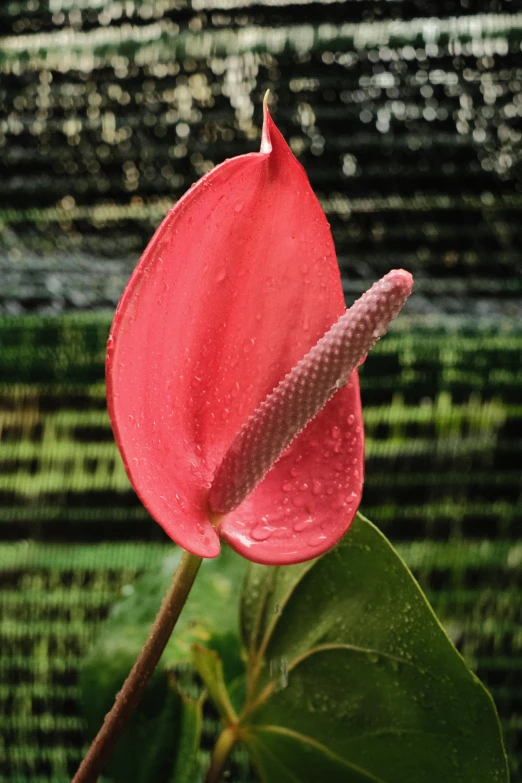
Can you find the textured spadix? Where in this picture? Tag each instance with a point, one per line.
(306, 390)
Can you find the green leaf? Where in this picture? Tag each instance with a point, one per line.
(350, 669)
(189, 737)
(161, 740)
(209, 666)
(210, 618)
(282, 756)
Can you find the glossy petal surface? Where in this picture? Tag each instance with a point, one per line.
(237, 284)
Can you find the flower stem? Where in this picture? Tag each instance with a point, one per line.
(132, 690)
(226, 741)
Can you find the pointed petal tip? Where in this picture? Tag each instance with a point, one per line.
(266, 143)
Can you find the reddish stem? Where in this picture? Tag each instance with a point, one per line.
(132, 690)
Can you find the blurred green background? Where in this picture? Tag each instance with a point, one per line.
(407, 117)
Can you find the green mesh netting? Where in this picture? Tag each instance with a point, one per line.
(407, 117)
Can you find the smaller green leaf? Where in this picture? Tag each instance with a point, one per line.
(189, 737)
(210, 618)
(256, 590)
(161, 741)
(209, 666)
(147, 750)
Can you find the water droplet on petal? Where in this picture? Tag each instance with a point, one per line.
(316, 540)
(302, 524)
(287, 486)
(317, 487)
(340, 502)
(351, 419)
(261, 533)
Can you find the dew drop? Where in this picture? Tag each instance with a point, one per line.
(287, 486)
(317, 487)
(336, 432)
(302, 524)
(316, 540)
(238, 208)
(339, 503)
(351, 419)
(221, 276)
(261, 533)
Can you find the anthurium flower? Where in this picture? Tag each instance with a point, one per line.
(238, 284)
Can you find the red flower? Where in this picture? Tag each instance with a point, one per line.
(237, 284)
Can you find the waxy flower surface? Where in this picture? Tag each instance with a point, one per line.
(236, 286)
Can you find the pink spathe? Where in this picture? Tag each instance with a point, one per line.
(238, 283)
